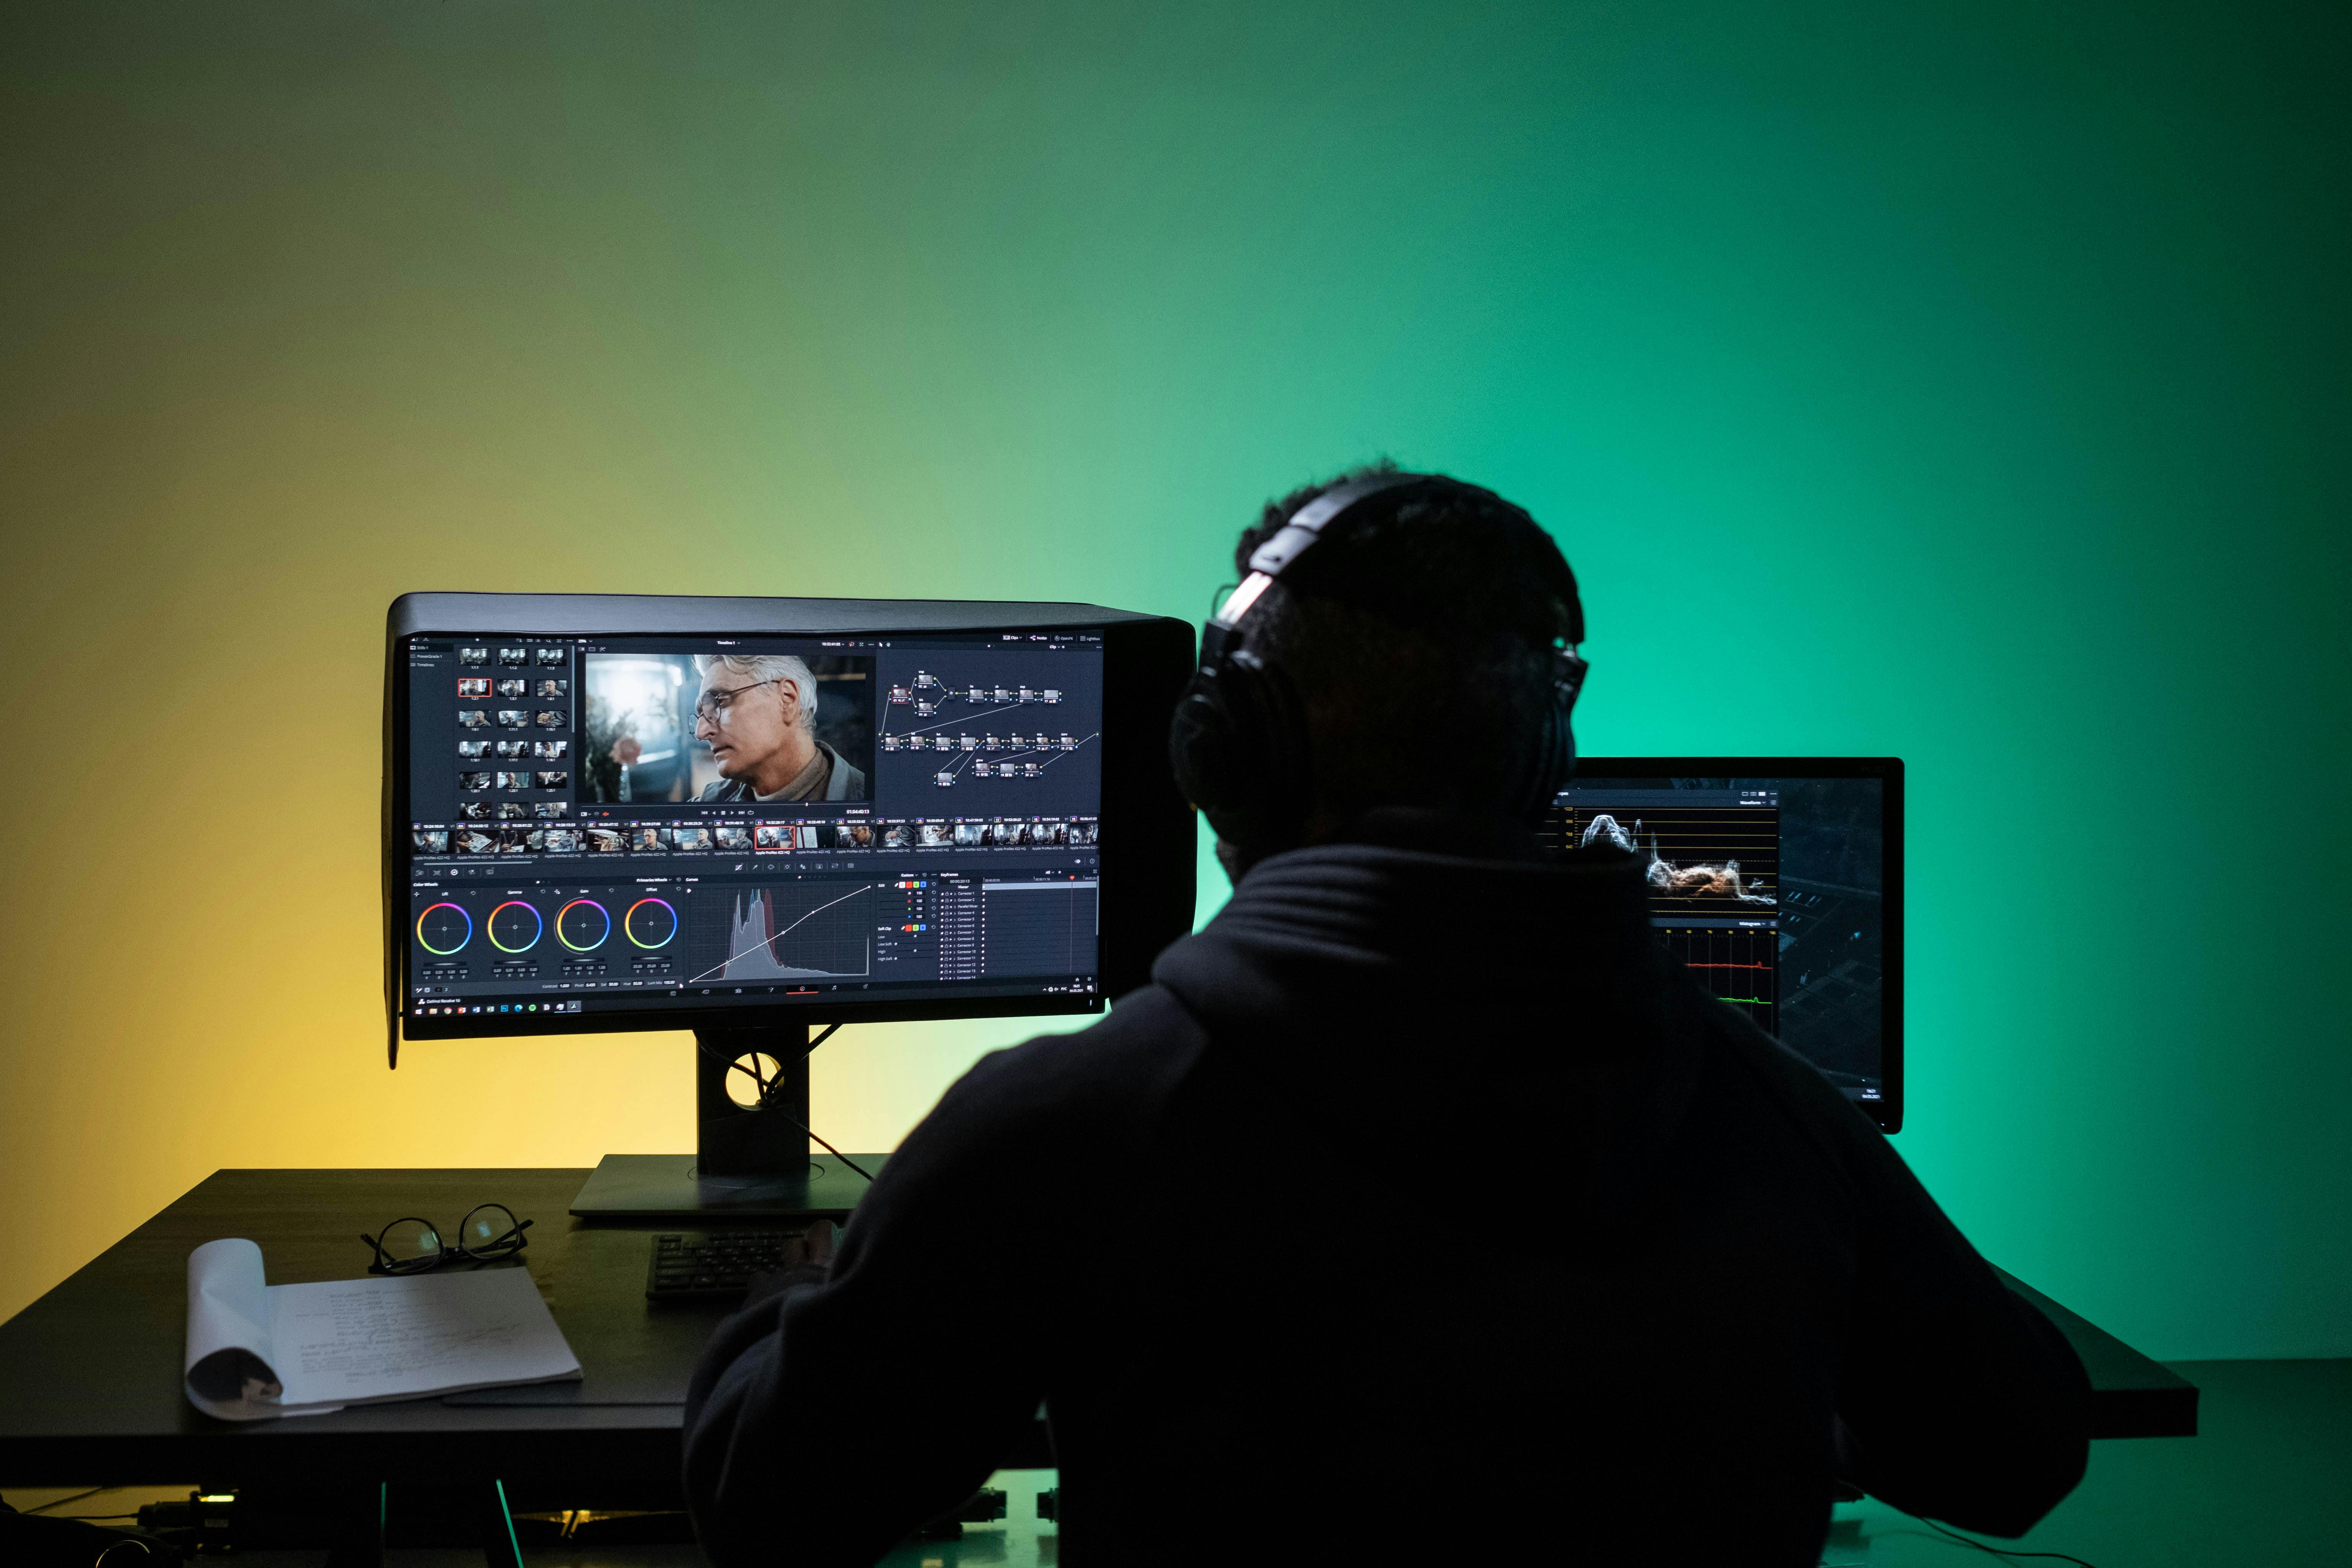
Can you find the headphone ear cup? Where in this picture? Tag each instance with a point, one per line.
(1238, 743)
(1203, 747)
(1284, 788)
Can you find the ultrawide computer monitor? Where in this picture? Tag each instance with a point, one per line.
(1779, 882)
(740, 817)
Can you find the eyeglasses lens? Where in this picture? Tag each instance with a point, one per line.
(409, 1242)
(492, 1228)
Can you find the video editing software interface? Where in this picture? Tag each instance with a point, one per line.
(1771, 891)
(625, 823)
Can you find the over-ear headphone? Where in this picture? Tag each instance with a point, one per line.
(1238, 740)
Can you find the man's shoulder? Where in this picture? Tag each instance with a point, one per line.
(720, 789)
(1038, 1115)
(1768, 1074)
(1128, 1061)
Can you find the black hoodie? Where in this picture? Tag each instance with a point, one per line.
(1420, 1206)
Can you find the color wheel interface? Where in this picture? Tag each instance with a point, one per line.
(631, 823)
(1771, 893)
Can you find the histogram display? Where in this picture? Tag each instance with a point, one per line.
(815, 930)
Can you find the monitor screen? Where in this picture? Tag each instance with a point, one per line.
(662, 825)
(1778, 883)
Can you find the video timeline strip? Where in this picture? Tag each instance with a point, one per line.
(430, 840)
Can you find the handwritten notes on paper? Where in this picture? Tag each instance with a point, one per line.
(287, 1350)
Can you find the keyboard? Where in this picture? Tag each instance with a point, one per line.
(704, 1265)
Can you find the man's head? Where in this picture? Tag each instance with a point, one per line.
(757, 714)
(1419, 634)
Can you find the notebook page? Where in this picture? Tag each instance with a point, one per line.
(403, 1336)
(229, 1364)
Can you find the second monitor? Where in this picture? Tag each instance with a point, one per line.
(1778, 883)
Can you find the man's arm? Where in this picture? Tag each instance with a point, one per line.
(1957, 1399)
(828, 1420)
(1962, 1401)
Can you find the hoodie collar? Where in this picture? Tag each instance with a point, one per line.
(1307, 930)
(1397, 998)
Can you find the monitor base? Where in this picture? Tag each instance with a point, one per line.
(642, 1187)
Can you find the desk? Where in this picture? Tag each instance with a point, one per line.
(90, 1374)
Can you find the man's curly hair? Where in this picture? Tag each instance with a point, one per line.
(1418, 634)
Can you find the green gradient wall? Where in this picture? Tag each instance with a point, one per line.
(1960, 382)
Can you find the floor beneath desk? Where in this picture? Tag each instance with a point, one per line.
(2263, 1487)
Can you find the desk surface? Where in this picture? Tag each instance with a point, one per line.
(91, 1371)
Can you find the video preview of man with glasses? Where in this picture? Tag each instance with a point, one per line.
(757, 712)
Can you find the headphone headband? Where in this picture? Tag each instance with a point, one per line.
(1269, 560)
(1238, 740)
(1307, 524)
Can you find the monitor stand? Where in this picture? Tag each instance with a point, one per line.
(750, 1164)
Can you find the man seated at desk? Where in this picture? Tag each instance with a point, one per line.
(1422, 1208)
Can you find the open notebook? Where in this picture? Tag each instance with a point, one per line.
(257, 1350)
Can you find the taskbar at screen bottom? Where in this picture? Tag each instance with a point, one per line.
(1060, 994)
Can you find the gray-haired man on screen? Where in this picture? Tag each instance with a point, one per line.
(757, 714)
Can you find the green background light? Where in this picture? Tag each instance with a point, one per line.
(1959, 382)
